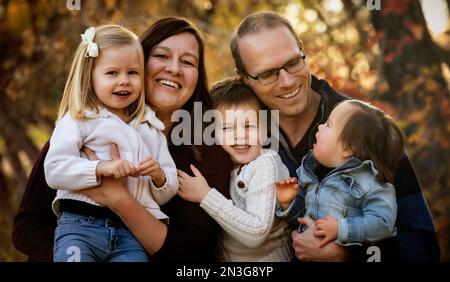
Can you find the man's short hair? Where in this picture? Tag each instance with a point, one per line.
(255, 23)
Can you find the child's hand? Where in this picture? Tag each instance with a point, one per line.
(192, 189)
(150, 166)
(328, 227)
(116, 168)
(286, 191)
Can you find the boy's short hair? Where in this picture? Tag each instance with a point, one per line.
(233, 92)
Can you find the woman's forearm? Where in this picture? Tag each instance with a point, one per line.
(145, 227)
(114, 194)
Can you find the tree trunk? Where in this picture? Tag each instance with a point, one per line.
(412, 70)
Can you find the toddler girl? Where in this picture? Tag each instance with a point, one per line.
(355, 202)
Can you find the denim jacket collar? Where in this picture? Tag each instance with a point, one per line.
(309, 164)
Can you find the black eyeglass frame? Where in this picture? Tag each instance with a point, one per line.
(277, 70)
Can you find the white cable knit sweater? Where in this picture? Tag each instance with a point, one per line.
(251, 231)
(68, 170)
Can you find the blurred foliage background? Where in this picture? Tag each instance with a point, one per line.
(397, 57)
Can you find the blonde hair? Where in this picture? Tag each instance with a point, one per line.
(78, 94)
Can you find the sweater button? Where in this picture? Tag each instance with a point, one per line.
(241, 184)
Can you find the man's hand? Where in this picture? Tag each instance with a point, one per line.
(286, 191)
(150, 166)
(328, 227)
(192, 189)
(307, 246)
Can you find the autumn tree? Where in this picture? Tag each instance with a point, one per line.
(387, 57)
(412, 67)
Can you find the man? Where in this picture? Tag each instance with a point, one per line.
(271, 59)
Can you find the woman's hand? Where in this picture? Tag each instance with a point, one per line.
(114, 194)
(192, 189)
(111, 191)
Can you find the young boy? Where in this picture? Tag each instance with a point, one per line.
(251, 232)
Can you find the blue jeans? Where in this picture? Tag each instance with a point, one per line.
(81, 238)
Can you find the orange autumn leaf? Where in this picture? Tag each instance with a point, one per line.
(389, 58)
(431, 85)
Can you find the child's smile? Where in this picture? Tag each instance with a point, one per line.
(238, 133)
(116, 78)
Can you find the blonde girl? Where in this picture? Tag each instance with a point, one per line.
(103, 105)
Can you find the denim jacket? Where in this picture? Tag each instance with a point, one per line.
(365, 209)
(416, 238)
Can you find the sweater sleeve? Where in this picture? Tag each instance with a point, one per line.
(252, 225)
(64, 167)
(192, 234)
(170, 188)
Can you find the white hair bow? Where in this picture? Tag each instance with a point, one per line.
(88, 39)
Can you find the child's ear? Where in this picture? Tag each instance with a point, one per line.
(347, 152)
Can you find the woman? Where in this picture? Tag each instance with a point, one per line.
(175, 79)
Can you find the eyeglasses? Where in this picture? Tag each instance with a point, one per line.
(271, 76)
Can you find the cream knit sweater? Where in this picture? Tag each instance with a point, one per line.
(68, 170)
(251, 231)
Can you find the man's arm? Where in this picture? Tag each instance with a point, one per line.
(307, 246)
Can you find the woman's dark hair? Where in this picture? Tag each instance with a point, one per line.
(160, 31)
